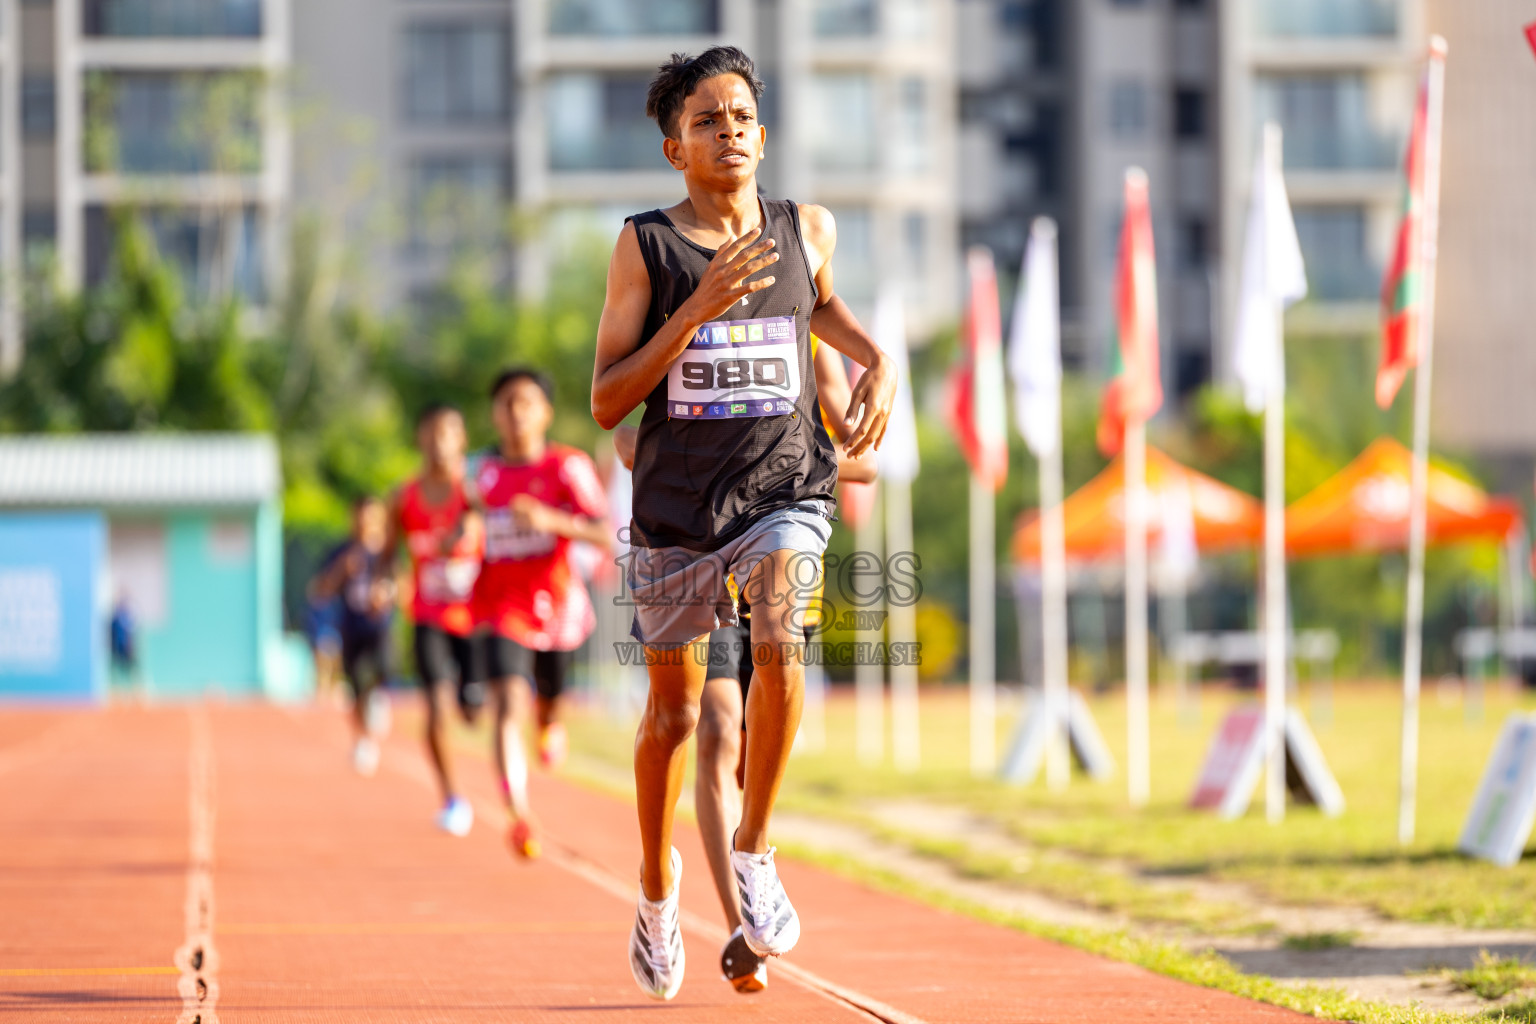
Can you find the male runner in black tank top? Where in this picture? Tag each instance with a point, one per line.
(733, 470)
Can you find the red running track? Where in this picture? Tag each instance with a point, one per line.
(225, 864)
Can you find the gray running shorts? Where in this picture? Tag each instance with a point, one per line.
(681, 594)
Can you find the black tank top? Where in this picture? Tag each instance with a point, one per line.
(705, 472)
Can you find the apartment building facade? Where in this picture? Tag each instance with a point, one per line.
(451, 109)
(177, 108)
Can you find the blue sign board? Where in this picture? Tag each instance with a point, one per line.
(52, 626)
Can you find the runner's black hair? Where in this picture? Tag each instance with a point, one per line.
(362, 501)
(543, 380)
(679, 77)
(434, 409)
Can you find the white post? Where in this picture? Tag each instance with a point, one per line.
(1413, 640)
(1276, 625)
(869, 677)
(906, 737)
(1053, 572)
(983, 613)
(1137, 753)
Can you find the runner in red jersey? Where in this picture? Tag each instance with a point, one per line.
(536, 497)
(426, 514)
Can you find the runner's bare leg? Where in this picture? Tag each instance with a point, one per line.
(777, 696)
(661, 754)
(509, 699)
(716, 801)
(440, 700)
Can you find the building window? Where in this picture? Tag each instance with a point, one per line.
(1190, 5)
(843, 132)
(458, 200)
(1333, 245)
(597, 122)
(39, 233)
(188, 122)
(1191, 370)
(1128, 3)
(914, 245)
(1291, 19)
(856, 270)
(172, 18)
(627, 18)
(38, 113)
(1327, 121)
(1189, 114)
(845, 17)
(217, 252)
(1128, 109)
(912, 126)
(456, 72)
(1194, 241)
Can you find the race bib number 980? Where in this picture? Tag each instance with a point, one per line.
(737, 368)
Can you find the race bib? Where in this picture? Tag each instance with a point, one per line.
(448, 580)
(736, 368)
(504, 539)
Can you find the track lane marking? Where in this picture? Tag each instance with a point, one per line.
(196, 960)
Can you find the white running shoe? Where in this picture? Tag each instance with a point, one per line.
(768, 920)
(656, 957)
(365, 756)
(457, 817)
(377, 712)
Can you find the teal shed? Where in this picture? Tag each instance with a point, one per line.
(194, 549)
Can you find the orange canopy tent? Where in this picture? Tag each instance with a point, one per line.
(1223, 517)
(1364, 507)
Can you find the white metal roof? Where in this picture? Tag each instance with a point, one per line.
(117, 470)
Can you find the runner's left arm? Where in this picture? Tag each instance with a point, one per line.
(869, 408)
(833, 392)
(589, 521)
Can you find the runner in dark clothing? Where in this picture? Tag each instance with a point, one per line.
(734, 473)
(358, 571)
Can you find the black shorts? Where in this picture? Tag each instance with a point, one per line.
(547, 670)
(730, 652)
(442, 657)
(367, 660)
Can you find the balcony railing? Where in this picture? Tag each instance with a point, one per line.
(620, 18)
(596, 123)
(1339, 267)
(172, 18)
(172, 123)
(1327, 122)
(1308, 19)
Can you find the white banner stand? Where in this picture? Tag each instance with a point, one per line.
(1030, 743)
(1235, 762)
(1505, 806)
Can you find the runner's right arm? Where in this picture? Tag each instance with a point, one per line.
(625, 371)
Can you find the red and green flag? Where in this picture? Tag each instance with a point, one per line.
(1402, 292)
(1135, 391)
(977, 412)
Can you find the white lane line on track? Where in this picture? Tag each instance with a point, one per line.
(568, 859)
(197, 959)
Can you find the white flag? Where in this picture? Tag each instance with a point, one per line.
(1034, 342)
(897, 458)
(1273, 278)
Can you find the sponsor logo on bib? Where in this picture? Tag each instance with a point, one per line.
(737, 368)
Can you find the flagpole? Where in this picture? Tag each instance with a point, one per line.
(868, 675)
(906, 742)
(1275, 624)
(1137, 754)
(1053, 572)
(1413, 640)
(983, 611)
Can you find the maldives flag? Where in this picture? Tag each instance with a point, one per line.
(1135, 391)
(1402, 292)
(976, 409)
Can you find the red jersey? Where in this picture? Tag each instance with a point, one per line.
(528, 589)
(444, 582)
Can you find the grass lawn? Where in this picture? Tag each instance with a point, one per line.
(1309, 859)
